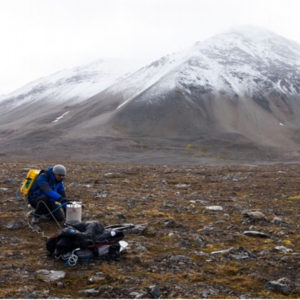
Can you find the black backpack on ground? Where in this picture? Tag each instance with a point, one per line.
(84, 241)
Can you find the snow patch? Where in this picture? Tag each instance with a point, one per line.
(60, 117)
(72, 85)
(145, 78)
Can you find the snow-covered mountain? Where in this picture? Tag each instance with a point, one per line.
(70, 85)
(240, 88)
(245, 83)
(238, 62)
(242, 62)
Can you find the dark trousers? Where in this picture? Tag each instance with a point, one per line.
(40, 208)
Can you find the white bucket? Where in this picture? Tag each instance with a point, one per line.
(74, 210)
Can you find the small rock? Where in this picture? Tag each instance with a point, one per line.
(155, 292)
(33, 295)
(141, 248)
(112, 175)
(254, 215)
(201, 253)
(121, 216)
(105, 291)
(203, 202)
(170, 223)
(182, 185)
(256, 234)
(138, 229)
(281, 233)
(133, 294)
(185, 243)
(240, 253)
(180, 258)
(200, 242)
(221, 251)
(281, 172)
(89, 292)
(209, 291)
(14, 226)
(95, 279)
(45, 294)
(265, 252)
(47, 276)
(283, 249)
(285, 259)
(296, 289)
(60, 285)
(281, 285)
(191, 206)
(214, 207)
(209, 227)
(277, 221)
(87, 185)
(137, 260)
(102, 194)
(220, 222)
(137, 295)
(239, 256)
(11, 182)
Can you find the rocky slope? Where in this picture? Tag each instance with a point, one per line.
(207, 232)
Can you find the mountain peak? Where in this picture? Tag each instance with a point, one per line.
(251, 32)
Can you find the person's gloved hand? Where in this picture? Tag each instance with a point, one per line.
(63, 204)
(65, 200)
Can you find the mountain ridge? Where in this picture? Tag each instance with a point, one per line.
(71, 85)
(237, 88)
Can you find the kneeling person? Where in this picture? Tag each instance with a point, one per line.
(48, 189)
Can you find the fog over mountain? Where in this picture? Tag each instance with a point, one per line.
(237, 91)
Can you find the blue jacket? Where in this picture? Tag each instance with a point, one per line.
(45, 184)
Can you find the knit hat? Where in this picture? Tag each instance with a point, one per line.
(59, 170)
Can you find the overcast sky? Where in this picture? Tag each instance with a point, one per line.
(39, 37)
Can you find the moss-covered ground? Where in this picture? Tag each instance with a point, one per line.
(176, 249)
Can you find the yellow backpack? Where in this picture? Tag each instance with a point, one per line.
(29, 180)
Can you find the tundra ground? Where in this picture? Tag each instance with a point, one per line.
(194, 242)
